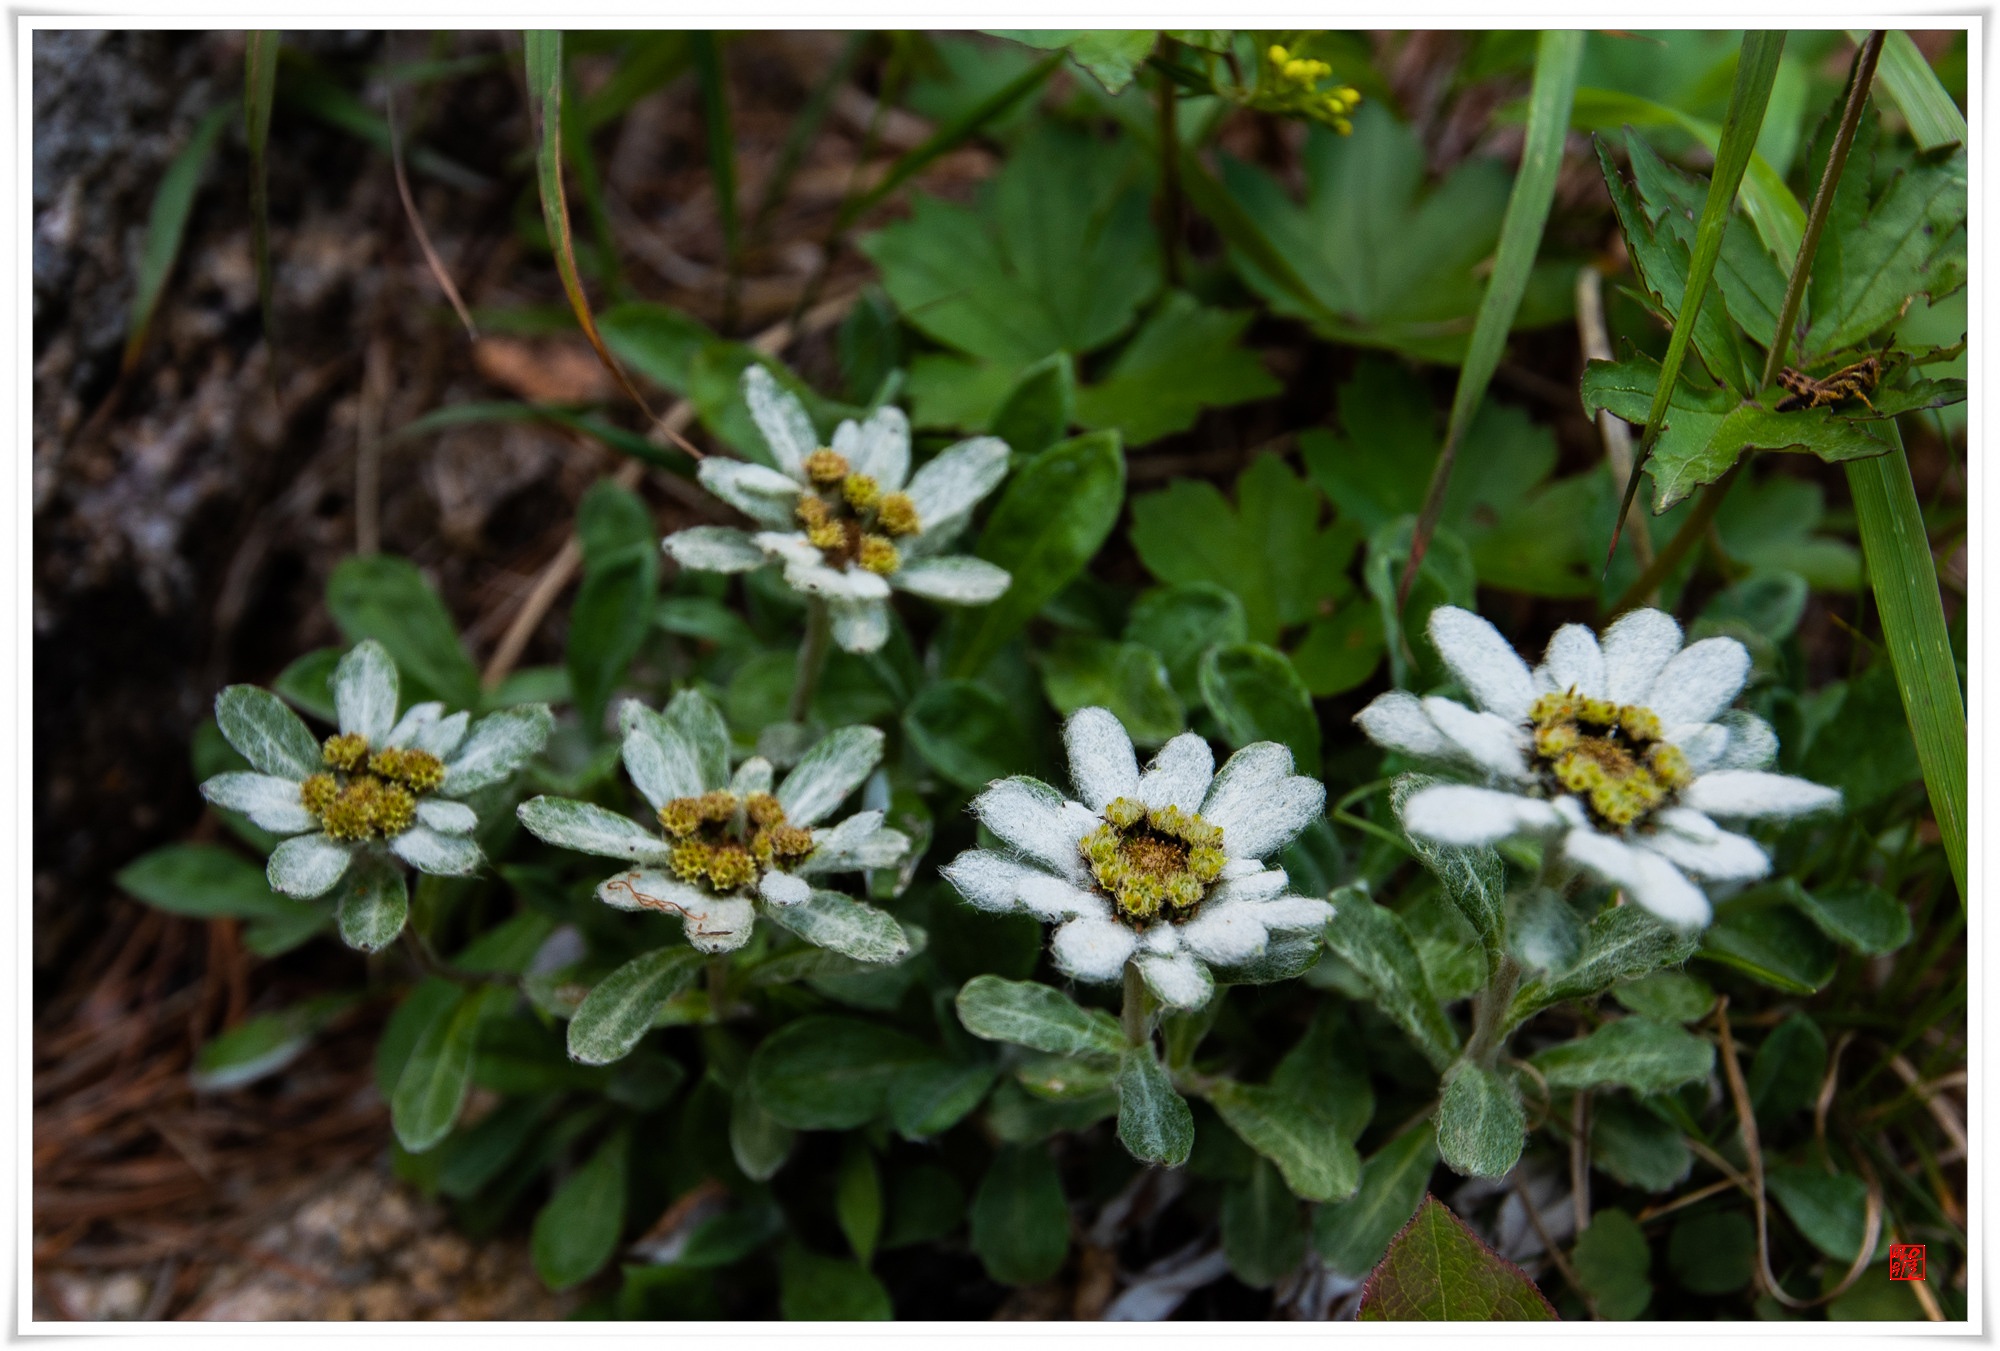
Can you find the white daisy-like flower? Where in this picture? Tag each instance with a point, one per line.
(1162, 869)
(1620, 754)
(381, 782)
(723, 842)
(849, 522)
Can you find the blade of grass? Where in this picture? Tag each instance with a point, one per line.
(716, 123)
(542, 54)
(617, 438)
(416, 220)
(1558, 57)
(805, 127)
(1903, 576)
(315, 93)
(1698, 521)
(166, 227)
(653, 61)
(1756, 71)
(1935, 121)
(260, 87)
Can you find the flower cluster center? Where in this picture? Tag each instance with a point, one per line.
(367, 795)
(724, 842)
(1611, 756)
(848, 517)
(1153, 863)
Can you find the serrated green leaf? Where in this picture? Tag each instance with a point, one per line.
(1186, 357)
(1039, 410)
(1438, 1270)
(1112, 55)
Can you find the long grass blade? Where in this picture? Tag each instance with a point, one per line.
(1903, 575)
(1935, 121)
(721, 134)
(312, 91)
(260, 87)
(431, 259)
(1558, 57)
(617, 438)
(1756, 71)
(805, 127)
(542, 52)
(654, 60)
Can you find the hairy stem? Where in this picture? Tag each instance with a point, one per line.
(813, 652)
(1489, 1014)
(1136, 1014)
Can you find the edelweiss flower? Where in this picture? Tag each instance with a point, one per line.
(1621, 755)
(381, 781)
(842, 520)
(1160, 868)
(723, 842)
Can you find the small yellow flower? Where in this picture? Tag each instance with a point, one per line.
(826, 467)
(878, 555)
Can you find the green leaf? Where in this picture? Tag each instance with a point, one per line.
(1474, 880)
(1830, 1209)
(1341, 651)
(1050, 520)
(857, 1200)
(471, 1160)
(266, 733)
(759, 1144)
(1112, 55)
(1707, 429)
(1772, 944)
(1713, 1254)
(1372, 939)
(826, 1289)
(435, 1078)
(1786, 1072)
(166, 226)
(1328, 1072)
(966, 732)
(1040, 408)
(1317, 1161)
(1037, 1016)
(1020, 1221)
(926, 1203)
(841, 924)
(431, 998)
(1636, 1145)
(1670, 996)
(829, 1073)
(263, 1045)
(619, 1009)
(1183, 621)
(385, 598)
(1622, 942)
(1185, 358)
(1130, 679)
(1263, 1234)
(577, 1232)
(1353, 1235)
(613, 610)
(1612, 1259)
(1480, 1125)
(1862, 746)
(1437, 1270)
(208, 882)
(371, 903)
(1154, 1123)
(1934, 120)
(1641, 1054)
(305, 683)
(1386, 263)
(929, 1097)
(1256, 695)
(1859, 914)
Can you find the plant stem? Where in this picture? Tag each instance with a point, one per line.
(813, 652)
(1136, 1014)
(1489, 1014)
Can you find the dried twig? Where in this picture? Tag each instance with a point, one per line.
(417, 221)
(1555, 1253)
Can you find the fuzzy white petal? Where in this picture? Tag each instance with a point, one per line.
(714, 548)
(1179, 775)
(1722, 857)
(1575, 661)
(590, 829)
(1636, 649)
(993, 881)
(860, 842)
(957, 579)
(1397, 720)
(1036, 822)
(783, 889)
(444, 736)
(1749, 792)
(832, 769)
(1459, 814)
(1092, 948)
(662, 764)
(1293, 914)
(859, 625)
(500, 744)
(947, 488)
(879, 447)
(1703, 743)
(1227, 935)
(1752, 743)
(764, 495)
(271, 802)
(447, 817)
(1180, 981)
(433, 851)
(1255, 886)
(1244, 778)
(806, 570)
(1700, 682)
(365, 690)
(306, 866)
(752, 776)
(1571, 812)
(779, 415)
(1485, 663)
(1486, 739)
(414, 720)
(1102, 764)
(1256, 826)
(1644, 876)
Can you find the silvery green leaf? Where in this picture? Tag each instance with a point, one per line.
(754, 774)
(956, 579)
(764, 495)
(1374, 941)
(432, 851)
(443, 736)
(787, 428)
(858, 843)
(1318, 1163)
(662, 764)
(415, 719)
(714, 548)
(1643, 1054)
(1621, 942)
(365, 691)
(306, 866)
(1480, 1123)
(269, 735)
(760, 1142)
(1037, 1016)
(844, 925)
(1473, 878)
(620, 1008)
(590, 829)
(1154, 1123)
(497, 745)
(829, 771)
(450, 818)
(1353, 1235)
(700, 723)
(373, 902)
(270, 802)
(432, 1087)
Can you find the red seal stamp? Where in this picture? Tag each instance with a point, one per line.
(1906, 1261)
